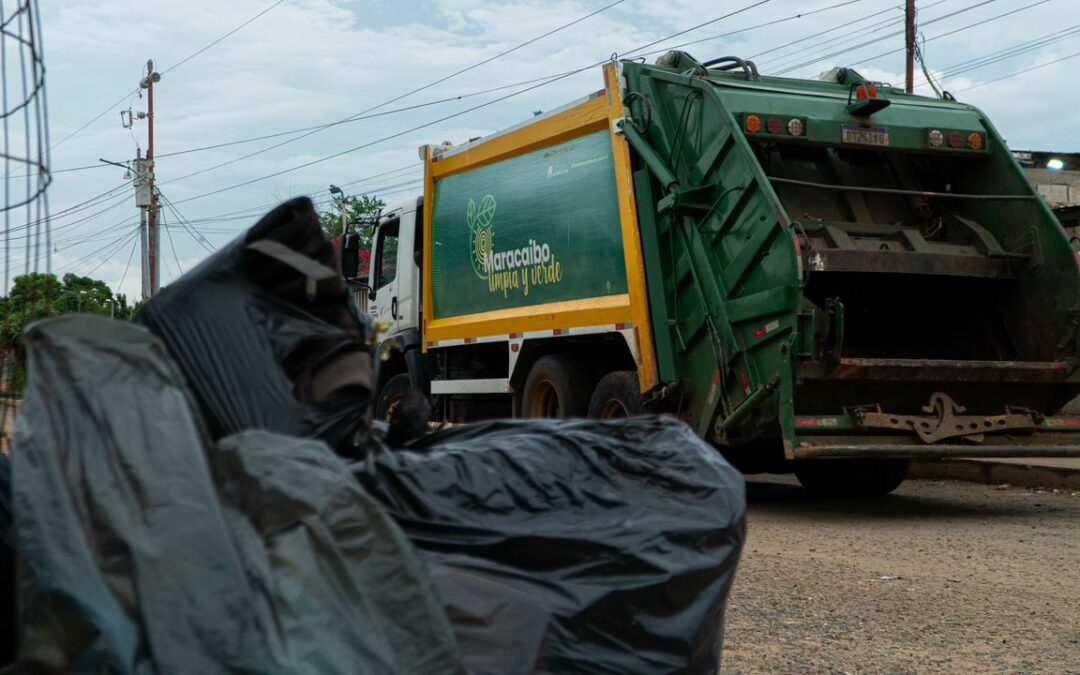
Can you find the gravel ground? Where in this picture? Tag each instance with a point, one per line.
(940, 577)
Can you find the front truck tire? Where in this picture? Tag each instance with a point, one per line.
(852, 477)
(558, 386)
(617, 395)
(390, 396)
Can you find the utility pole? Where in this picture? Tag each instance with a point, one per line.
(151, 251)
(909, 19)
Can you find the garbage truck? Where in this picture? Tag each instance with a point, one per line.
(828, 276)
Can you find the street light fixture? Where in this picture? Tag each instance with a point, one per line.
(342, 206)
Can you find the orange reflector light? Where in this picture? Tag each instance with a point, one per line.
(956, 140)
(774, 125)
(975, 141)
(865, 91)
(753, 124)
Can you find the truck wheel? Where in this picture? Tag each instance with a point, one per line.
(852, 477)
(616, 395)
(558, 387)
(390, 395)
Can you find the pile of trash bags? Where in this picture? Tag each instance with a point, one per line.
(202, 491)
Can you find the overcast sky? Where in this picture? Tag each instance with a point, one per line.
(309, 62)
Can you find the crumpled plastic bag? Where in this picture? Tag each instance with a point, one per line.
(138, 555)
(572, 546)
(264, 335)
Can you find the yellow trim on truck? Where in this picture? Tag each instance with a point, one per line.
(552, 316)
(648, 376)
(582, 119)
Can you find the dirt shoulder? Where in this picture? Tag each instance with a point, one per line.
(940, 577)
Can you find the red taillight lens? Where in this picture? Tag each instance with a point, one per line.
(865, 91)
(956, 140)
(774, 125)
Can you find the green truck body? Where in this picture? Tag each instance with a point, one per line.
(802, 270)
(857, 267)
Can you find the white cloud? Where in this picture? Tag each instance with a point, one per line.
(308, 62)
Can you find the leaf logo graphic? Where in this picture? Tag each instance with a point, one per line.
(479, 220)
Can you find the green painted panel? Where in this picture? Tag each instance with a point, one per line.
(537, 228)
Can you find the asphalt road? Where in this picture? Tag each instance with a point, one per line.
(940, 577)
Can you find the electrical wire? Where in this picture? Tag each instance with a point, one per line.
(755, 27)
(128, 265)
(168, 234)
(453, 115)
(1020, 72)
(820, 46)
(172, 67)
(191, 229)
(867, 43)
(433, 83)
(958, 30)
(1006, 53)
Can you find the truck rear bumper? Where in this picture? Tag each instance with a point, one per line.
(1037, 444)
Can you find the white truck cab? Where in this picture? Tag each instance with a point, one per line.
(394, 275)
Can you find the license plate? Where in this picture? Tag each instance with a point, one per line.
(865, 136)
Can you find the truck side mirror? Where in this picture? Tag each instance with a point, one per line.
(350, 256)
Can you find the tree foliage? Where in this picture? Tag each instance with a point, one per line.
(38, 296)
(360, 210)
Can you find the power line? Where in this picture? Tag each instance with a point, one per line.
(1006, 53)
(176, 258)
(818, 45)
(888, 35)
(453, 115)
(1020, 72)
(755, 27)
(433, 83)
(223, 37)
(191, 229)
(700, 25)
(177, 65)
(958, 30)
(128, 265)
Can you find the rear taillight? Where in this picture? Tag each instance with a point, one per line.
(955, 139)
(774, 125)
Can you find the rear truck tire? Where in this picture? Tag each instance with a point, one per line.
(852, 477)
(390, 395)
(558, 386)
(617, 395)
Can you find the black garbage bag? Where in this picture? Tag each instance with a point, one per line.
(264, 335)
(7, 565)
(138, 555)
(572, 546)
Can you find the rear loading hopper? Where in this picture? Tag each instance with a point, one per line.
(847, 269)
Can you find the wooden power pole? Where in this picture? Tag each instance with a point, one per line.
(909, 33)
(151, 251)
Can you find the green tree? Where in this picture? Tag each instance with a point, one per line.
(38, 296)
(360, 212)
